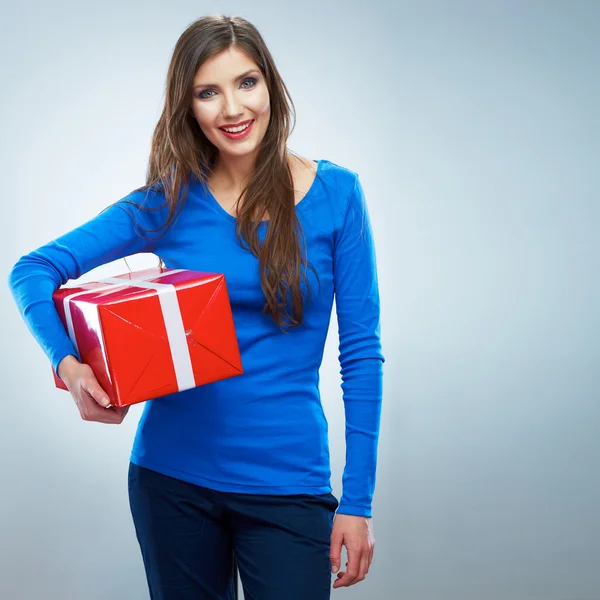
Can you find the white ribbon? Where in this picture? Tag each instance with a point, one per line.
(171, 313)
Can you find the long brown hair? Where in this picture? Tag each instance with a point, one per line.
(180, 149)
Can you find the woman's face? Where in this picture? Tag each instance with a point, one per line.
(229, 89)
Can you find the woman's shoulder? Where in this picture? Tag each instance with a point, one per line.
(146, 206)
(339, 179)
(335, 190)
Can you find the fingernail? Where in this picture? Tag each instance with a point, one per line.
(334, 569)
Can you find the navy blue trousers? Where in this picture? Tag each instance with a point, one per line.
(189, 535)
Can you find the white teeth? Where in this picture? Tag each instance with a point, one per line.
(236, 129)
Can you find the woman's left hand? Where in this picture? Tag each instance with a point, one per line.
(356, 533)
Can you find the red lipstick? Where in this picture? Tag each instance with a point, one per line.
(240, 134)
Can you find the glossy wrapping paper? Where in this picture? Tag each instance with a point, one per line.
(150, 333)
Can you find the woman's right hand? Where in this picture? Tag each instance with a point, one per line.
(92, 401)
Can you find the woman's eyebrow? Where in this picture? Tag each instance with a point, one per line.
(236, 79)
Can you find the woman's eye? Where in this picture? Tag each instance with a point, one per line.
(252, 80)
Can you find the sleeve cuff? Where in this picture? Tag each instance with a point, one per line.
(354, 509)
(63, 353)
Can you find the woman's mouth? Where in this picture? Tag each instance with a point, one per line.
(237, 133)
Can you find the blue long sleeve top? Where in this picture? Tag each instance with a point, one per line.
(265, 431)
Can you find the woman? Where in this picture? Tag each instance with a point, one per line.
(239, 467)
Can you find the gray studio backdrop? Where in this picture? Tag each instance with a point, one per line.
(475, 129)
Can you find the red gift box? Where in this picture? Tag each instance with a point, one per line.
(150, 333)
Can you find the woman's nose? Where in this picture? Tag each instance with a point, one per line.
(233, 108)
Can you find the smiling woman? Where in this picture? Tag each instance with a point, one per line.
(239, 468)
(234, 106)
(228, 78)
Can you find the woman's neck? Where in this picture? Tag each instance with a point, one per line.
(233, 172)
